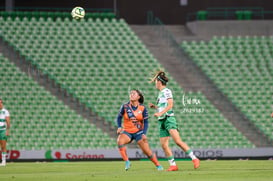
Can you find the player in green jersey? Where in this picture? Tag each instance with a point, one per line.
(4, 131)
(167, 122)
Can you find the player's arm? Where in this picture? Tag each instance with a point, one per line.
(145, 121)
(170, 106)
(8, 125)
(145, 124)
(145, 129)
(119, 119)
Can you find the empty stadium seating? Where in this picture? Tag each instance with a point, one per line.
(39, 120)
(242, 68)
(98, 61)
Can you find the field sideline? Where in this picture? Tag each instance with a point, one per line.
(140, 171)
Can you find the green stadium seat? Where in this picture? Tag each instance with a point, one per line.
(111, 49)
(247, 78)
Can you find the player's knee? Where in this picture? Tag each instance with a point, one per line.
(119, 142)
(164, 146)
(140, 142)
(145, 140)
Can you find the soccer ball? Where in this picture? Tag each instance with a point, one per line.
(78, 13)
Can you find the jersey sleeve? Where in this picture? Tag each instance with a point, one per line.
(145, 114)
(120, 115)
(168, 94)
(145, 120)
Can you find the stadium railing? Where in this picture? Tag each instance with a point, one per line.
(55, 13)
(230, 13)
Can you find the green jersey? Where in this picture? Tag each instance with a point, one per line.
(162, 102)
(3, 115)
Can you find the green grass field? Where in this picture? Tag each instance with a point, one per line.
(140, 171)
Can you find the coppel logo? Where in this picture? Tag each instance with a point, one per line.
(55, 155)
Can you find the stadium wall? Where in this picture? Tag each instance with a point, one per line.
(231, 28)
(135, 12)
(172, 12)
(113, 154)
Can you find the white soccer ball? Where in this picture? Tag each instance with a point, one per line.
(78, 13)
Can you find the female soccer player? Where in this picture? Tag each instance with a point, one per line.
(167, 122)
(135, 127)
(4, 131)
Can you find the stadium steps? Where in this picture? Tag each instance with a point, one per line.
(158, 47)
(182, 33)
(168, 52)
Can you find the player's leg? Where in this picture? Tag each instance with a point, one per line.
(164, 141)
(144, 146)
(177, 139)
(4, 152)
(3, 143)
(122, 140)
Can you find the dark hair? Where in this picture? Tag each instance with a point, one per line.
(141, 99)
(162, 77)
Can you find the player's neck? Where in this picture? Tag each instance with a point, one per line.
(134, 103)
(162, 87)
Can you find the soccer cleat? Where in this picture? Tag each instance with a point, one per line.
(196, 163)
(159, 168)
(2, 164)
(127, 165)
(173, 168)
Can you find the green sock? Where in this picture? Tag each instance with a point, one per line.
(188, 152)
